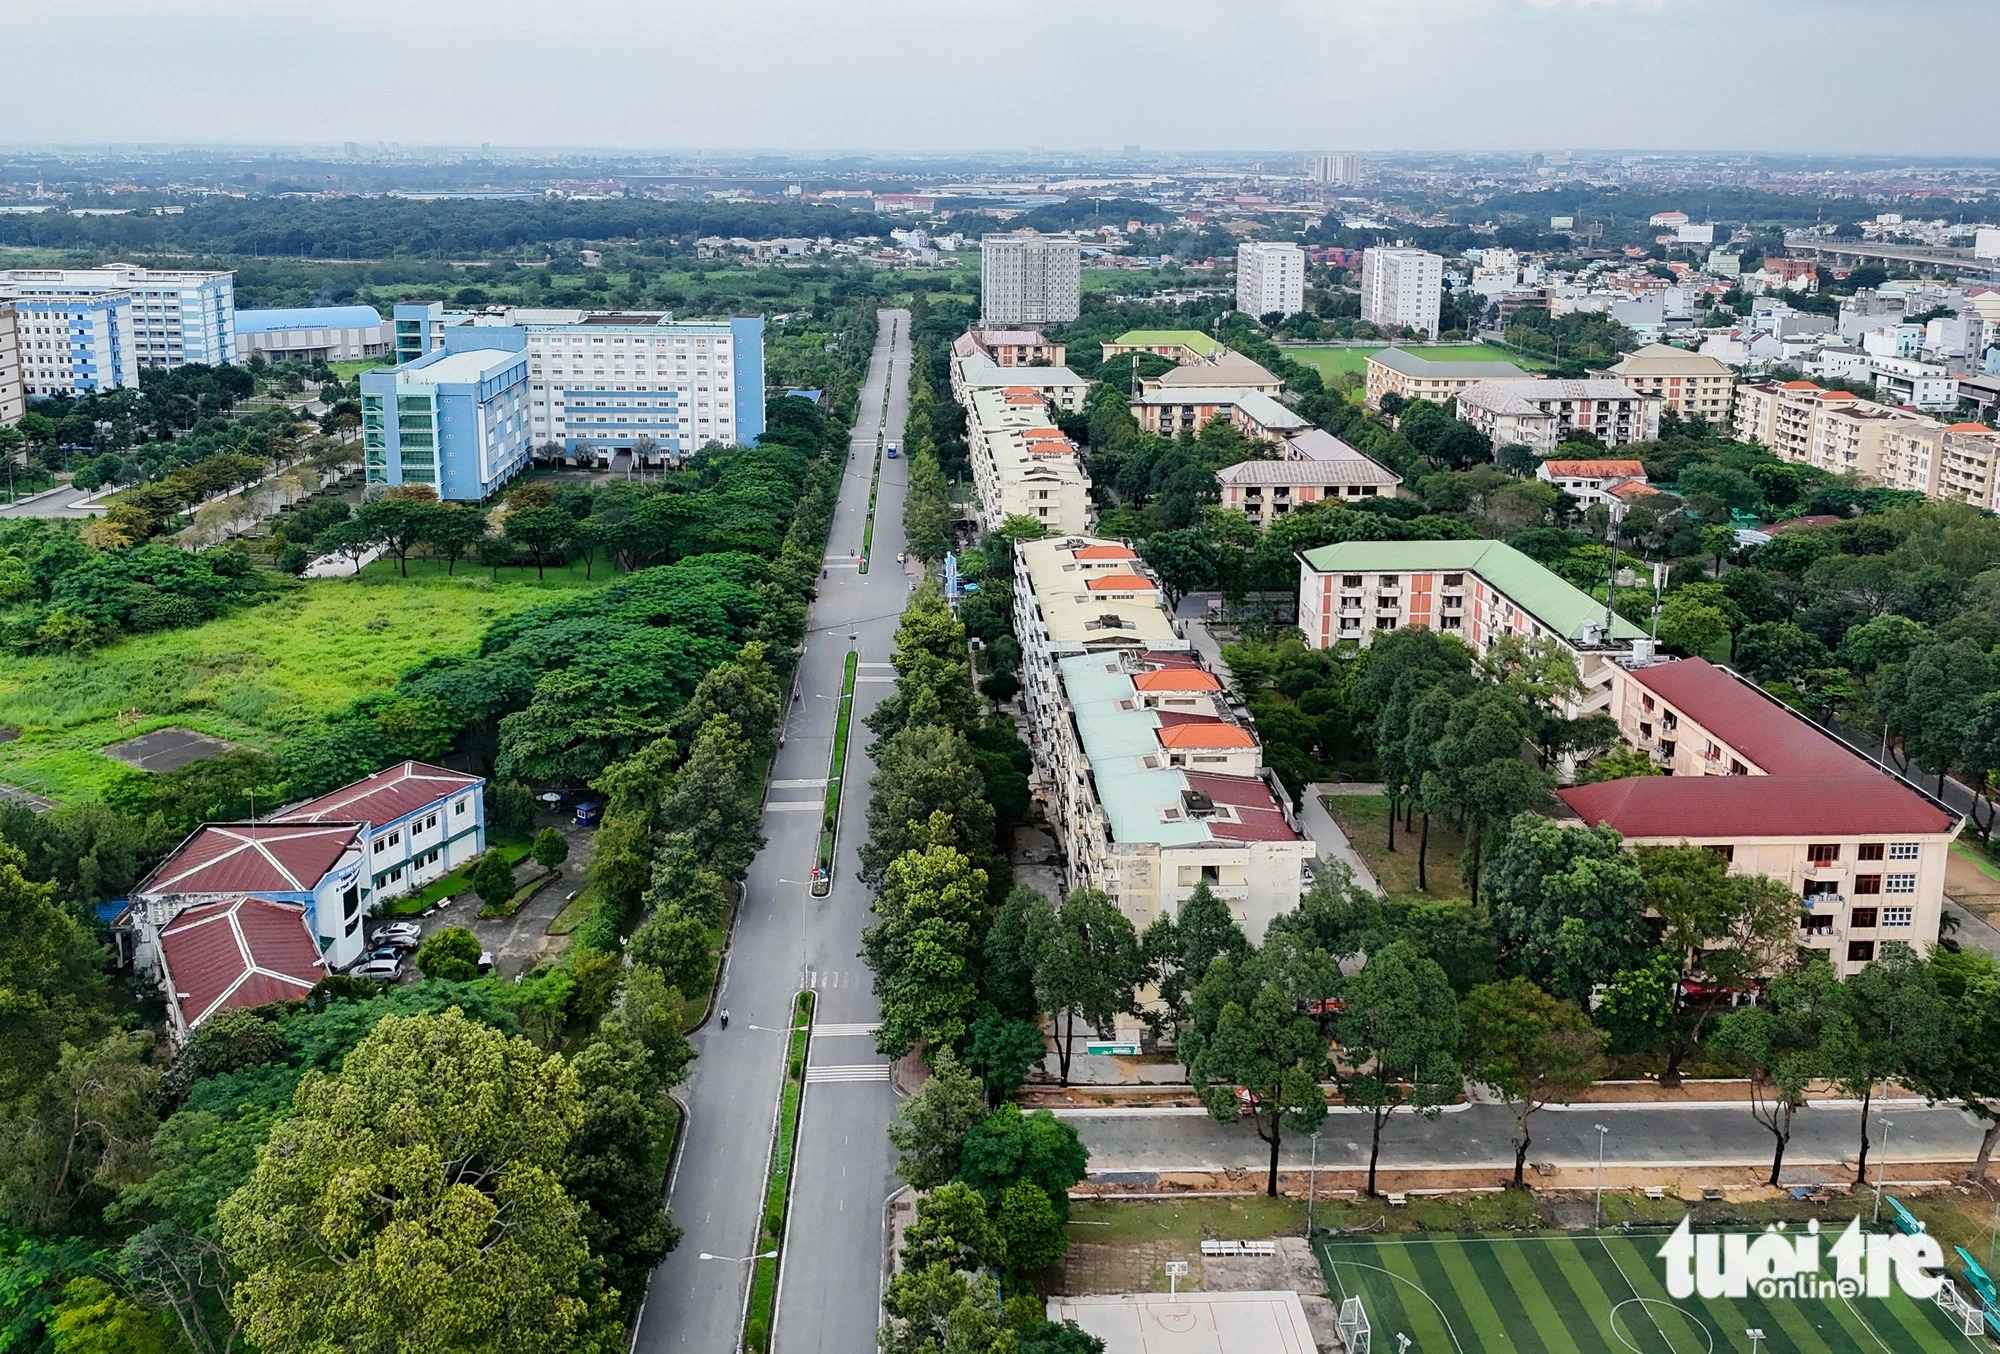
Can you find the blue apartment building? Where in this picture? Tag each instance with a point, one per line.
(455, 419)
(175, 316)
(74, 340)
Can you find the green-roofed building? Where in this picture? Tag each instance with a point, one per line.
(1179, 346)
(1479, 591)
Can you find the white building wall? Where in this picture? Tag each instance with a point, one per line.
(600, 380)
(1402, 288)
(1270, 276)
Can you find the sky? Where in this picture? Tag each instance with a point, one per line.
(1300, 75)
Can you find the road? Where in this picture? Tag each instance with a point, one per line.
(63, 502)
(1480, 1135)
(830, 1277)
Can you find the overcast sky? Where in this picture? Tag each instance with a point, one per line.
(1784, 75)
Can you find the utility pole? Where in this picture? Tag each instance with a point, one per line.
(1598, 1212)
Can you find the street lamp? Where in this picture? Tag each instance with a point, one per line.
(1312, 1185)
(1598, 1210)
(741, 1259)
(1881, 1169)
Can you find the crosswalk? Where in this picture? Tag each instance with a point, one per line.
(825, 980)
(847, 1072)
(842, 1031)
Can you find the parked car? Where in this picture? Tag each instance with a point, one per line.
(587, 814)
(401, 941)
(381, 970)
(394, 954)
(390, 930)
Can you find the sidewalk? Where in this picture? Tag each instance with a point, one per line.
(1330, 841)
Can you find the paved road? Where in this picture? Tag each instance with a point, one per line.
(830, 1280)
(60, 503)
(1480, 1135)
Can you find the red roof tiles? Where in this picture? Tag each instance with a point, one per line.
(1105, 552)
(1176, 679)
(1119, 583)
(252, 858)
(1822, 808)
(1260, 818)
(235, 956)
(1774, 738)
(391, 793)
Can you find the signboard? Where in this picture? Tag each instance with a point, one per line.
(1113, 1049)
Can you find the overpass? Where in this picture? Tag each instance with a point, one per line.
(1851, 252)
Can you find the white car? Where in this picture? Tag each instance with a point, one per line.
(381, 970)
(395, 929)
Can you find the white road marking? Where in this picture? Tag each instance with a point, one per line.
(795, 806)
(847, 1072)
(837, 1031)
(819, 784)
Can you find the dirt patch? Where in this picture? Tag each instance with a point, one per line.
(166, 749)
(1971, 886)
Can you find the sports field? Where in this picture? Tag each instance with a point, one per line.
(1579, 1293)
(1332, 360)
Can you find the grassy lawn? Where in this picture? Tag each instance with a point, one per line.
(456, 882)
(1365, 820)
(347, 371)
(573, 914)
(763, 1286)
(314, 649)
(1331, 361)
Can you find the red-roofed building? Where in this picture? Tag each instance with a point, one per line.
(423, 822)
(320, 867)
(1608, 482)
(238, 955)
(1750, 778)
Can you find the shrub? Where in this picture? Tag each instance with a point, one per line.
(450, 955)
(551, 848)
(493, 879)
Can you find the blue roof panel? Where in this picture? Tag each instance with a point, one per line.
(307, 317)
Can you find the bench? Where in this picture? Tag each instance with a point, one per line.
(1656, 1192)
(1398, 1200)
(1223, 1248)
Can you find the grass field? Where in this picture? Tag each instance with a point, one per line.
(315, 649)
(1332, 361)
(1577, 1293)
(347, 371)
(1365, 820)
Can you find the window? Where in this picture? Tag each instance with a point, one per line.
(350, 901)
(1901, 883)
(1862, 918)
(1823, 853)
(1454, 580)
(1904, 850)
(380, 846)
(459, 808)
(1898, 916)
(1868, 883)
(1860, 951)
(1726, 852)
(1869, 851)
(1822, 888)
(1385, 622)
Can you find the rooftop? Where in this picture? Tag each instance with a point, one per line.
(307, 317)
(1192, 339)
(1693, 808)
(1227, 369)
(1597, 470)
(1409, 364)
(1558, 605)
(237, 955)
(262, 858)
(466, 368)
(1662, 359)
(1527, 395)
(1317, 444)
(1255, 405)
(1767, 732)
(391, 793)
(1355, 469)
(1060, 569)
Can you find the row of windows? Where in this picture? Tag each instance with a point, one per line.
(1828, 853)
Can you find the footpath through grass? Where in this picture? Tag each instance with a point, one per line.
(314, 649)
(1584, 1293)
(777, 1189)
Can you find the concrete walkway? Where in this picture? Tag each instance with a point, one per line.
(1330, 842)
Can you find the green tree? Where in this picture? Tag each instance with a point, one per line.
(1566, 904)
(450, 530)
(677, 945)
(929, 1131)
(1618, 764)
(745, 689)
(1779, 1040)
(1033, 1235)
(1000, 1050)
(543, 532)
(397, 523)
(1181, 948)
(1087, 963)
(1531, 1049)
(550, 848)
(1975, 1071)
(80, 1135)
(1399, 1039)
(1007, 1147)
(1889, 1024)
(414, 1200)
(715, 802)
(52, 990)
(492, 878)
(450, 955)
(1247, 1032)
(951, 1228)
(929, 915)
(94, 1319)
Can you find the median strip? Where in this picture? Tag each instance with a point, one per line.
(836, 771)
(777, 1187)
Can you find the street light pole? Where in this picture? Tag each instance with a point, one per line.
(1597, 1211)
(741, 1259)
(1312, 1185)
(1881, 1169)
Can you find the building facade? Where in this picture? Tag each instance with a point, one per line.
(1026, 278)
(1338, 170)
(420, 823)
(1421, 378)
(1402, 289)
(1691, 385)
(314, 334)
(75, 342)
(1022, 464)
(1543, 414)
(178, 316)
(1179, 346)
(973, 368)
(13, 387)
(1270, 278)
(1168, 411)
(456, 421)
(1265, 491)
(602, 385)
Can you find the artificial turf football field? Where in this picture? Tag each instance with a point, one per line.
(1584, 1293)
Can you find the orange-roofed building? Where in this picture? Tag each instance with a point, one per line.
(1128, 584)
(1177, 678)
(1102, 552)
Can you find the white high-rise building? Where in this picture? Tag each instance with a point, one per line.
(1341, 170)
(1402, 289)
(179, 316)
(1270, 276)
(1026, 278)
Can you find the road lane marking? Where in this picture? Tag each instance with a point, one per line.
(795, 806)
(847, 1072)
(819, 784)
(859, 680)
(838, 1031)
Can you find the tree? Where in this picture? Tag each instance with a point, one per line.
(414, 1200)
(1692, 625)
(951, 1228)
(1975, 1072)
(1181, 948)
(1033, 1235)
(1566, 904)
(1531, 1049)
(450, 955)
(714, 801)
(492, 878)
(83, 1131)
(1088, 963)
(550, 848)
(931, 1127)
(1888, 1024)
(675, 944)
(1248, 1032)
(52, 990)
(1779, 1039)
(1399, 1037)
(543, 532)
(1618, 764)
(929, 914)
(450, 530)
(94, 1319)
(398, 523)
(1007, 1147)
(1724, 929)
(1000, 1050)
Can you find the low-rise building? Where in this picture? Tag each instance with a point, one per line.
(1541, 415)
(1691, 385)
(1593, 482)
(1189, 410)
(236, 955)
(973, 368)
(422, 821)
(1751, 779)
(1264, 491)
(1019, 347)
(1422, 378)
(314, 334)
(1022, 464)
(1230, 369)
(1178, 346)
